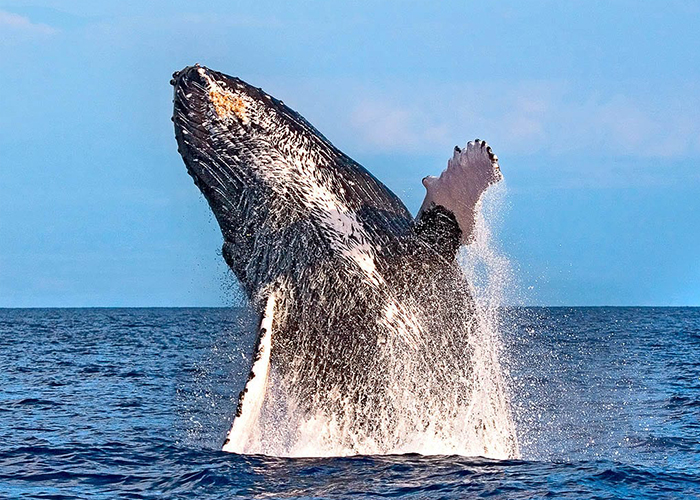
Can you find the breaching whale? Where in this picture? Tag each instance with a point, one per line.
(366, 324)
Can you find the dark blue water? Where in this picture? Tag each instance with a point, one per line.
(135, 403)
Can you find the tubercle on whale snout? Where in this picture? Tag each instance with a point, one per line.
(176, 74)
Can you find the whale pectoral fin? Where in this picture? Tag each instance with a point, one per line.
(451, 199)
(250, 401)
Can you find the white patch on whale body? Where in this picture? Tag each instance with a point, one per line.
(242, 434)
(347, 234)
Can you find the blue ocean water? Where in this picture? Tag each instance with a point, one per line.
(135, 403)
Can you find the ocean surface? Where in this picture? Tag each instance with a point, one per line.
(135, 403)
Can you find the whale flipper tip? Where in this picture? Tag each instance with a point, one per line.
(459, 187)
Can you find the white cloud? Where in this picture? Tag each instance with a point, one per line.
(553, 118)
(386, 127)
(13, 26)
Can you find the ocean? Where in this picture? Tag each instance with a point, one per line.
(136, 403)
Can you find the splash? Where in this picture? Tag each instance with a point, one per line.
(458, 408)
(490, 276)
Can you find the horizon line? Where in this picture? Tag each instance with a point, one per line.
(533, 306)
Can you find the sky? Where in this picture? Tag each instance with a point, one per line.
(591, 106)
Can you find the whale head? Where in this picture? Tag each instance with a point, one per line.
(235, 136)
(269, 176)
(239, 142)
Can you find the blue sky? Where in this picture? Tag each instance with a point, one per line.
(591, 106)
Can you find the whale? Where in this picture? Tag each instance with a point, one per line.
(366, 322)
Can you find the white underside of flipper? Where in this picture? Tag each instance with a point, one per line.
(460, 186)
(243, 433)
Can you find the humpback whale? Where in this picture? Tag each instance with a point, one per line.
(366, 325)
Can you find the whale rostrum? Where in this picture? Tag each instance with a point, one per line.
(365, 317)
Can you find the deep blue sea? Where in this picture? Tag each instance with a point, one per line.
(135, 403)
